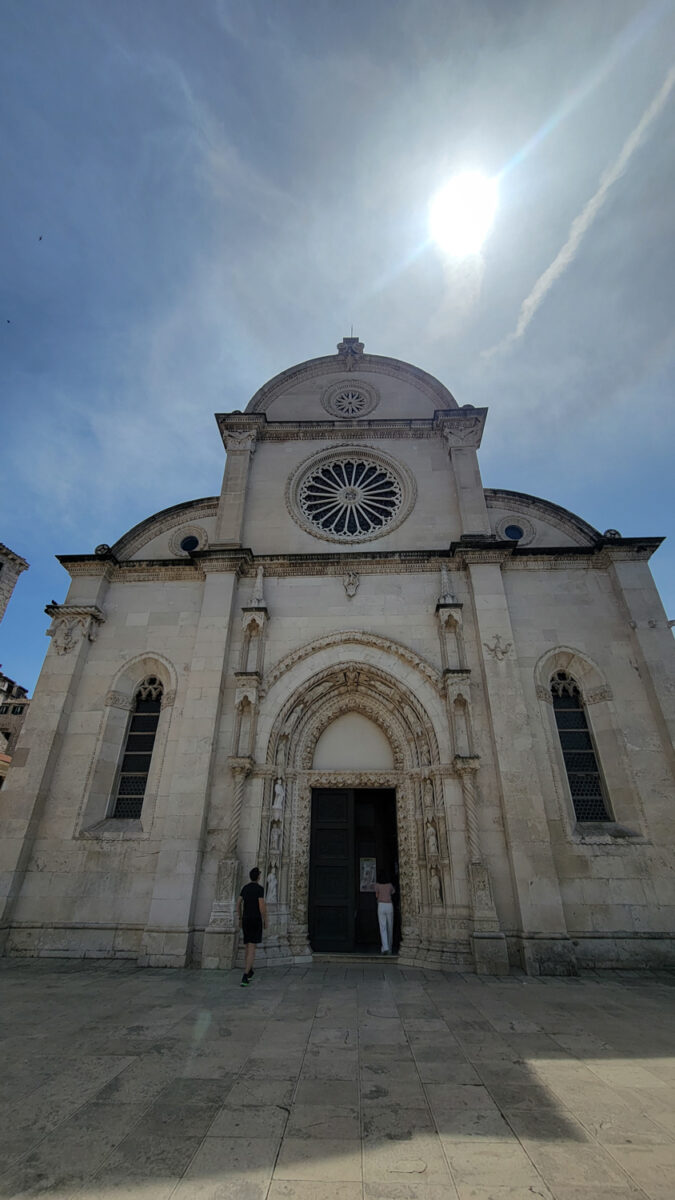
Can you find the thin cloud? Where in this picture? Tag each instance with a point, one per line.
(582, 223)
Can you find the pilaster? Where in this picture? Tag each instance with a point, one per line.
(240, 446)
(168, 934)
(652, 639)
(533, 870)
(73, 628)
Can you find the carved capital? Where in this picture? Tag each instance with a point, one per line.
(466, 764)
(463, 430)
(71, 623)
(168, 698)
(597, 695)
(239, 440)
(240, 766)
(119, 700)
(544, 693)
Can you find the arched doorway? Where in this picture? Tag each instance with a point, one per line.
(312, 748)
(353, 836)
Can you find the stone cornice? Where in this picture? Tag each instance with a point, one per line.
(15, 559)
(444, 421)
(242, 561)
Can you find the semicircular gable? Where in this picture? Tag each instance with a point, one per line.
(546, 517)
(293, 378)
(188, 513)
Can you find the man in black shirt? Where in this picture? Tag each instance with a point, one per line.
(252, 915)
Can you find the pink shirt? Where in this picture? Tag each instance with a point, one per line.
(384, 892)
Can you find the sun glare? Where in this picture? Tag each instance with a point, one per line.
(462, 212)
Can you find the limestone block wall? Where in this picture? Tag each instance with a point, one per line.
(433, 522)
(617, 890)
(82, 874)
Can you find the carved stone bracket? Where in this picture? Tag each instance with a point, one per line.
(71, 623)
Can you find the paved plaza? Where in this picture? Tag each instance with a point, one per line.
(334, 1082)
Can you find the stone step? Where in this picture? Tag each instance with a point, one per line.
(354, 958)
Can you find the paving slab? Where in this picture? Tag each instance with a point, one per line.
(334, 1082)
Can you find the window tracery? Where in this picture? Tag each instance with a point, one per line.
(135, 766)
(581, 764)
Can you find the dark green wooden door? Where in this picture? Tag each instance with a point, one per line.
(331, 876)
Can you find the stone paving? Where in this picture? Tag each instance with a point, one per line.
(334, 1083)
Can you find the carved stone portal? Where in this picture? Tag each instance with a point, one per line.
(435, 931)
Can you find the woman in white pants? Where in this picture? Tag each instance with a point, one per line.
(384, 890)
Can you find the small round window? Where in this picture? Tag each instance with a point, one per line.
(188, 538)
(514, 532)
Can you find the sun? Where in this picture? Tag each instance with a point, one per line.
(462, 212)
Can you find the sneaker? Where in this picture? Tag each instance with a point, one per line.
(244, 981)
(250, 974)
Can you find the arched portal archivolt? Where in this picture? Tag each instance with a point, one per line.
(353, 686)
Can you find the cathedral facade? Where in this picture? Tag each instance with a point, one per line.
(356, 659)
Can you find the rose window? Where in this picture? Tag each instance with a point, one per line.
(350, 498)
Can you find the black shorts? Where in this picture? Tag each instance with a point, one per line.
(252, 929)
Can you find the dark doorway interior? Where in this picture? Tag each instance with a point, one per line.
(353, 834)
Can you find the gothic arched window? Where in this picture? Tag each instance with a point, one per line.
(133, 776)
(581, 764)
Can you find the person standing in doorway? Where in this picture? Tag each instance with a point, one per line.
(384, 890)
(252, 916)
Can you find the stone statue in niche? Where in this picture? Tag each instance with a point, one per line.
(275, 837)
(428, 794)
(432, 837)
(271, 889)
(279, 795)
(436, 892)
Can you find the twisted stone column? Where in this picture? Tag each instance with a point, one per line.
(489, 944)
(466, 769)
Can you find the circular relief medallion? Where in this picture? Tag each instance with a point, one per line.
(350, 399)
(350, 495)
(188, 538)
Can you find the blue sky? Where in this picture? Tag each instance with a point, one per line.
(222, 188)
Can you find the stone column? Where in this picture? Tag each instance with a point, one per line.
(220, 935)
(545, 946)
(240, 445)
(490, 953)
(74, 626)
(167, 941)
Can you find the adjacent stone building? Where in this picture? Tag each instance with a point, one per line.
(11, 566)
(14, 705)
(355, 658)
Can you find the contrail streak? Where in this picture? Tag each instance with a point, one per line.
(583, 222)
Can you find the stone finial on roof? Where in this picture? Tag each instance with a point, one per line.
(351, 350)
